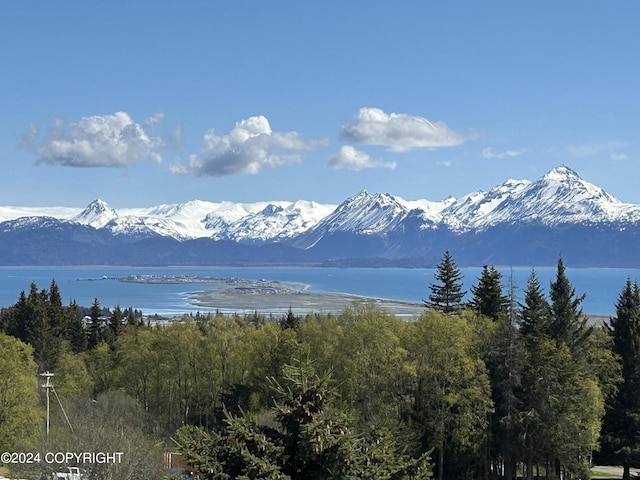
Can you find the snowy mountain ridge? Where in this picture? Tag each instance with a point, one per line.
(518, 222)
(559, 197)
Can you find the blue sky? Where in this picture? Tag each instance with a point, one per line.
(146, 102)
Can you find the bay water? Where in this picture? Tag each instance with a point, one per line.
(84, 284)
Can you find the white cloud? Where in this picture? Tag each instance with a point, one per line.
(489, 153)
(398, 131)
(352, 159)
(97, 141)
(250, 147)
(592, 149)
(154, 120)
(617, 156)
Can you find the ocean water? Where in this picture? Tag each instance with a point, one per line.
(84, 284)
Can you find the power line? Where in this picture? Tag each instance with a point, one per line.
(49, 386)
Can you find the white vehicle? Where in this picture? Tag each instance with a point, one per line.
(72, 473)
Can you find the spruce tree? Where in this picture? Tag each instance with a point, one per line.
(38, 329)
(488, 299)
(313, 440)
(535, 332)
(501, 357)
(621, 429)
(561, 399)
(18, 315)
(535, 312)
(116, 323)
(290, 321)
(95, 330)
(131, 318)
(57, 325)
(57, 318)
(446, 295)
(77, 335)
(568, 323)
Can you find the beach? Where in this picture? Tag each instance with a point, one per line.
(274, 297)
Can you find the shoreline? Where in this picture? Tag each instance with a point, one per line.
(270, 297)
(274, 297)
(301, 302)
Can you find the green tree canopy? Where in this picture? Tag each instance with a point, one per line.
(453, 397)
(21, 417)
(562, 403)
(313, 440)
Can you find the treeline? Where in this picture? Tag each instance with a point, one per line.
(40, 319)
(493, 387)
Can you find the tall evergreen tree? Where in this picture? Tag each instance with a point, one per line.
(488, 299)
(568, 323)
(535, 312)
(131, 318)
(116, 323)
(447, 294)
(77, 335)
(29, 322)
(95, 330)
(58, 328)
(57, 318)
(18, 315)
(290, 321)
(621, 429)
(38, 330)
(501, 357)
(562, 404)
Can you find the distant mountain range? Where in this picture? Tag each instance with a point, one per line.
(518, 222)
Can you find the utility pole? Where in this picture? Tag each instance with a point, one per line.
(48, 385)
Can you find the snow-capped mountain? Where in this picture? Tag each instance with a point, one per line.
(361, 214)
(12, 213)
(479, 208)
(559, 197)
(518, 220)
(97, 214)
(248, 222)
(276, 222)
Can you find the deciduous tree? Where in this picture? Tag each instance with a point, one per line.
(453, 397)
(21, 417)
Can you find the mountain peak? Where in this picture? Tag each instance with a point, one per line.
(99, 205)
(561, 173)
(271, 209)
(97, 214)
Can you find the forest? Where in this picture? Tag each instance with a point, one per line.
(493, 387)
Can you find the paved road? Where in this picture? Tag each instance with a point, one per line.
(612, 470)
